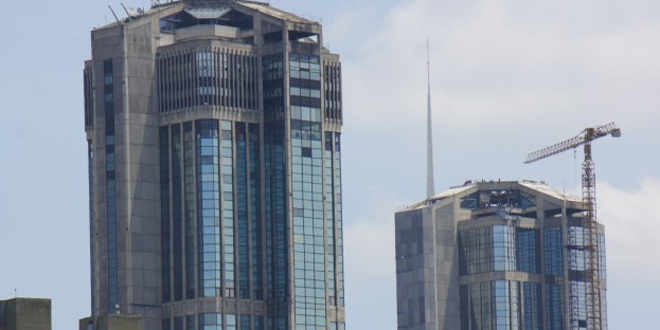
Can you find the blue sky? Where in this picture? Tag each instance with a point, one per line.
(508, 76)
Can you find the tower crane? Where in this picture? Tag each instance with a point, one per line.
(592, 273)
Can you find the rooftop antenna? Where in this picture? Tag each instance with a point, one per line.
(114, 14)
(430, 186)
(125, 10)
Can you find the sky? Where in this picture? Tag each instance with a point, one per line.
(508, 77)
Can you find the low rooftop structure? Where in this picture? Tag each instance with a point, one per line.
(25, 314)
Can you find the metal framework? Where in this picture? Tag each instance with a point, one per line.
(592, 273)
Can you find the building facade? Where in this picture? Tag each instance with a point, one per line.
(495, 255)
(214, 139)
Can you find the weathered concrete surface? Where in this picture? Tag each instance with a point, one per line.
(25, 314)
(112, 322)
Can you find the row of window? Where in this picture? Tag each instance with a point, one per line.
(506, 248)
(332, 93)
(207, 77)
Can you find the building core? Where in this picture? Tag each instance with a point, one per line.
(495, 255)
(214, 143)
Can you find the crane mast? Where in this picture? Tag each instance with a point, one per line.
(592, 270)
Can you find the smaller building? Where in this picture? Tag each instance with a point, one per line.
(496, 255)
(25, 314)
(112, 322)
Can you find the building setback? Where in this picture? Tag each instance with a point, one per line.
(214, 140)
(494, 255)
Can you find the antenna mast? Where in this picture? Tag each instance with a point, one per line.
(430, 186)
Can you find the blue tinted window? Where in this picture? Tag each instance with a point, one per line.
(552, 249)
(208, 199)
(526, 250)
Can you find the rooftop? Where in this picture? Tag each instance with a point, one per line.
(209, 9)
(471, 186)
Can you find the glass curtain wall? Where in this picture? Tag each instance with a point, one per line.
(228, 241)
(208, 199)
(307, 178)
(242, 212)
(339, 230)
(275, 190)
(189, 192)
(177, 211)
(493, 305)
(255, 211)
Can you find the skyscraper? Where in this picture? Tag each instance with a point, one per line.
(214, 139)
(495, 255)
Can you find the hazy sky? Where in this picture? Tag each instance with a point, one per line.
(508, 77)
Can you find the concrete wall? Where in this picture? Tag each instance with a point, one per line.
(25, 314)
(112, 322)
(427, 268)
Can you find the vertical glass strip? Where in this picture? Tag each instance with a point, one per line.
(330, 216)
(242, 212)
(92, 227)
(189, 192)
(210, 321)
(190, 322)
(111, 187)
(339, 220)
(553, 252)
(258, 323)
(307, 177)
(246, 321)
(255, 211)
(208, 210)
(554, 306)
(230, 321)
(276, 225)
(177, 212)
(227, 172)
(165, 211)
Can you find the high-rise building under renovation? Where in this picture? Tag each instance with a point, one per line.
(495, 255)
(214, 139)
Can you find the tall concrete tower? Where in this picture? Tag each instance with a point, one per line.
(214, 139)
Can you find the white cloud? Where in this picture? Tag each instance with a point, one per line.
(511, 63)
(369, 262)
(632, 220)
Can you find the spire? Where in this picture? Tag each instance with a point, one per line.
(430, 185)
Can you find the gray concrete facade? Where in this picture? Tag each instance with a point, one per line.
(125, 117)
(112, 322)
(25, 314)
(490, 255)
